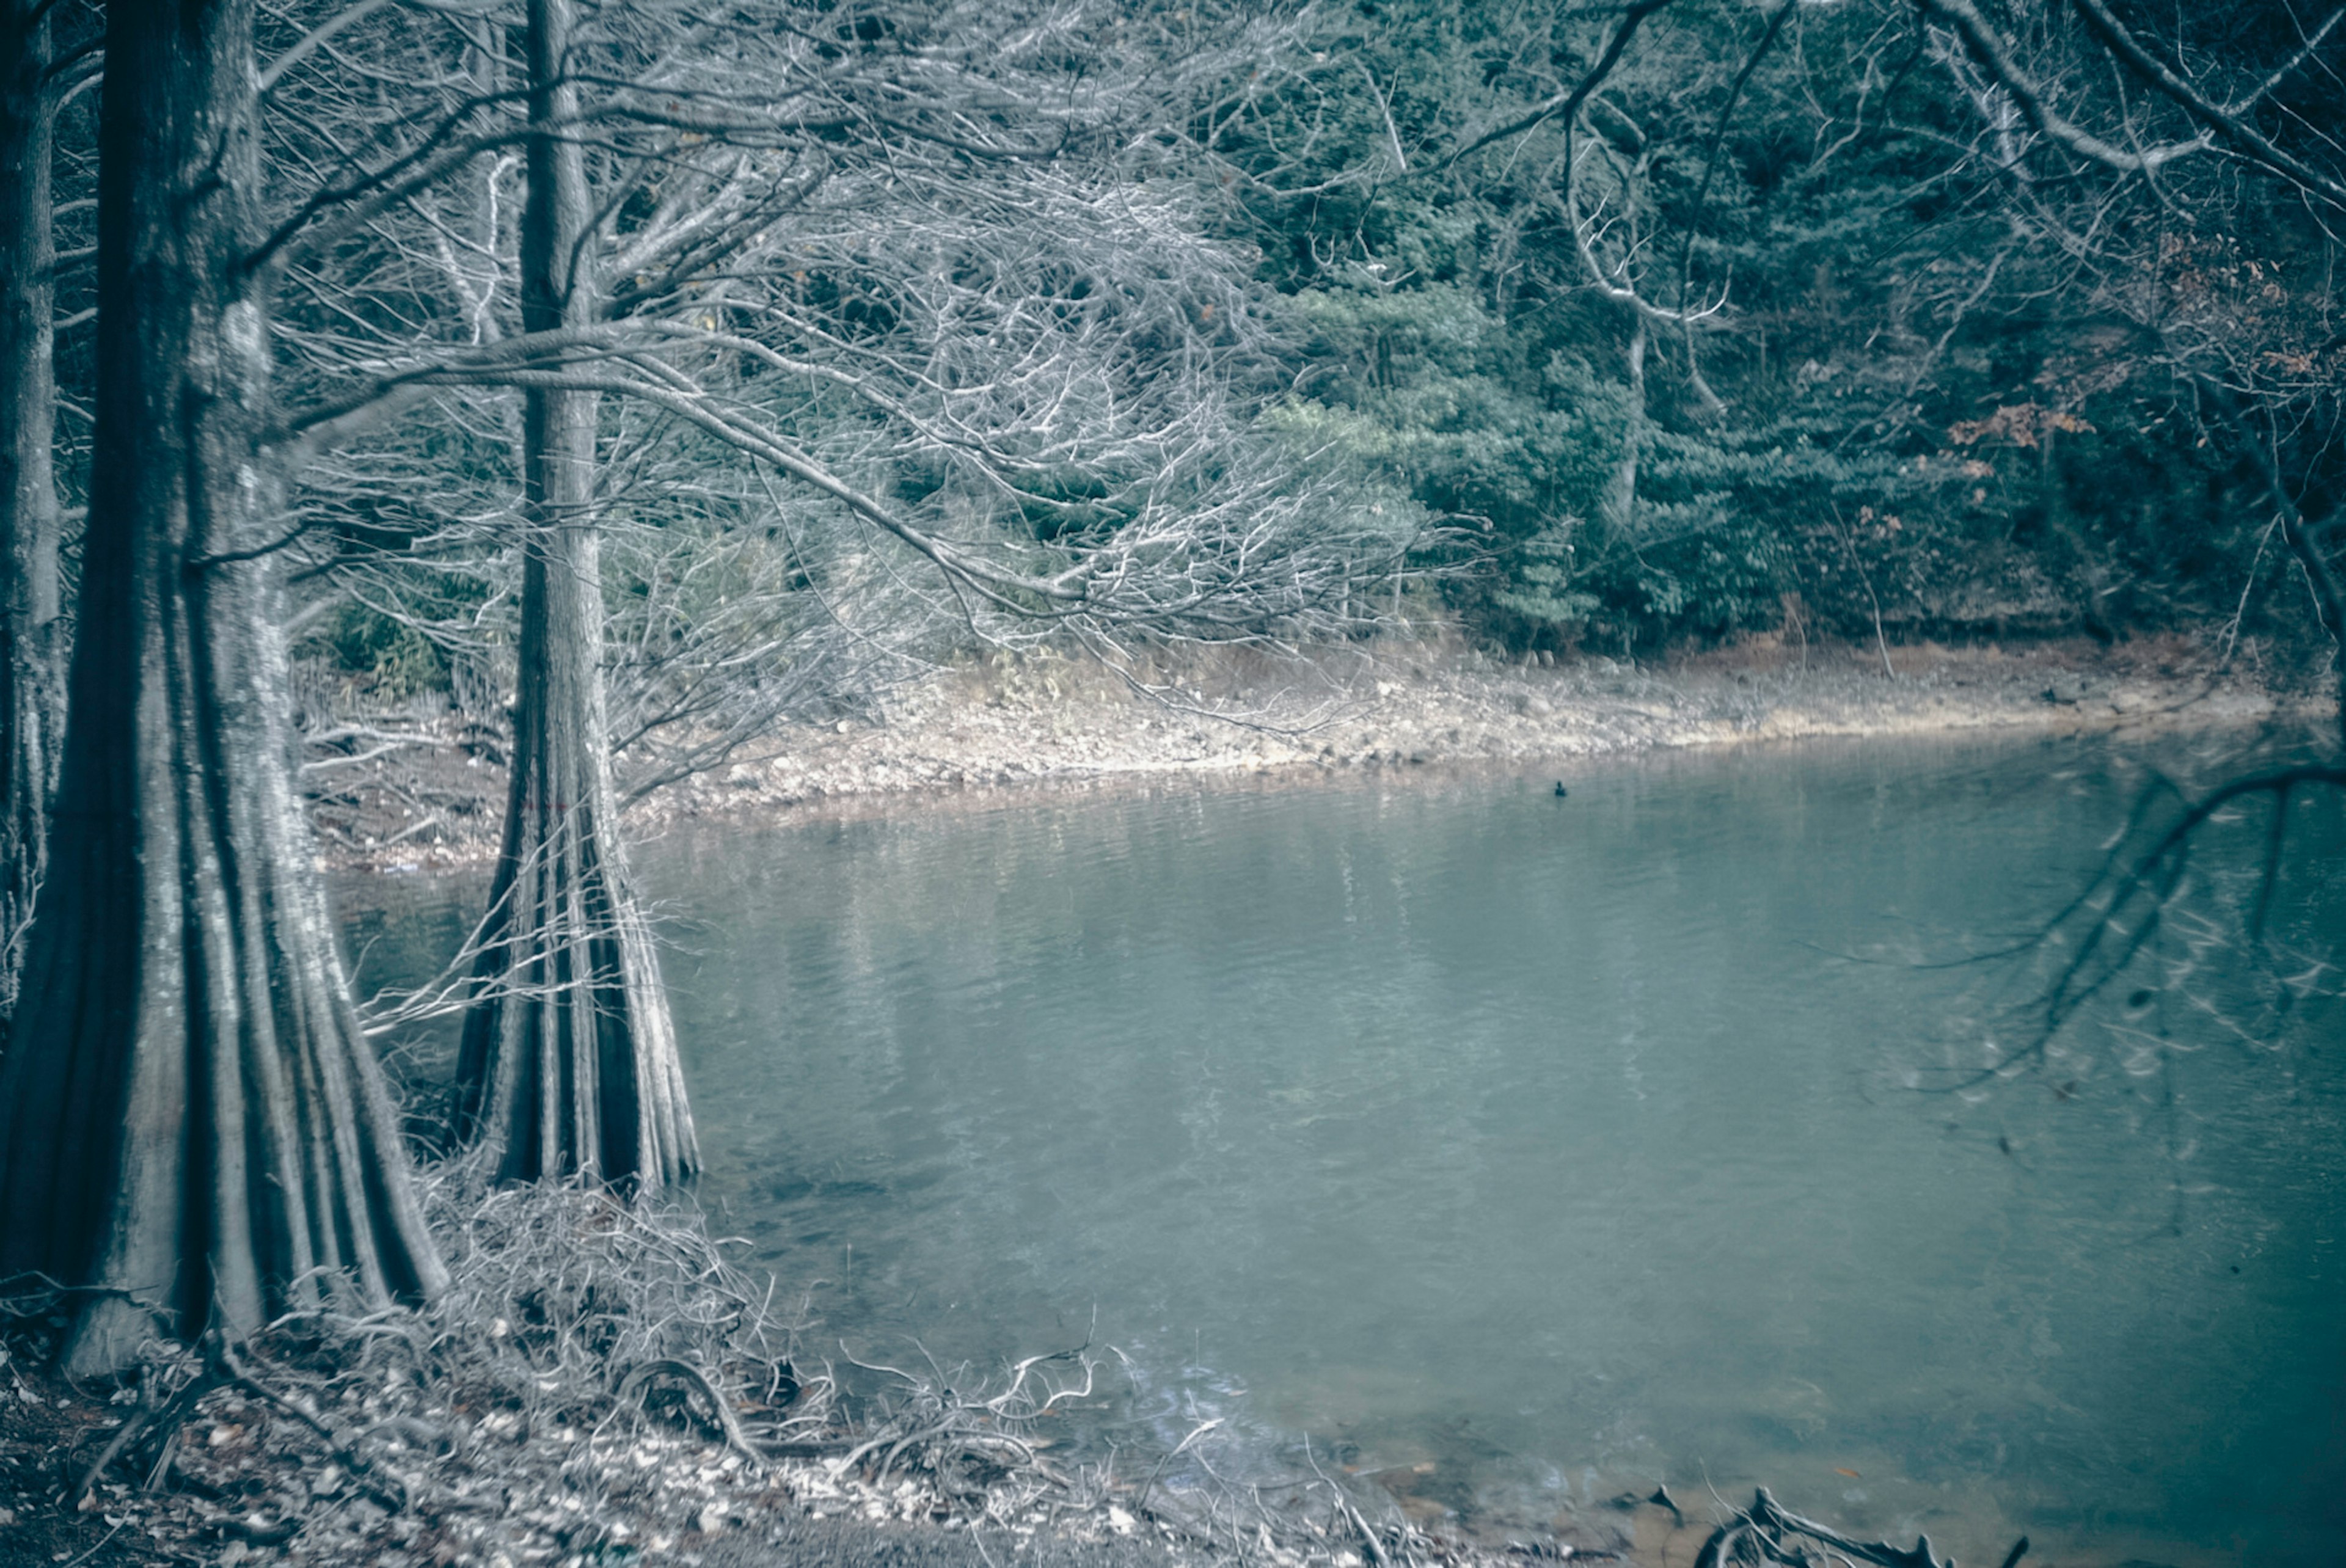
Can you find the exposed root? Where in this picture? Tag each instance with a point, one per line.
(154, 1409)
(721, 1411)
(561, 1394)
(970, 1444)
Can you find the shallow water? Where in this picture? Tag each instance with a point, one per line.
(1562, 1147)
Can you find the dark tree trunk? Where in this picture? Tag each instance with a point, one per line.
(29, 688)
(192, 1130)
(570, 1059)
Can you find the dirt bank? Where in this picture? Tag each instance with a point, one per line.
(1008, 722)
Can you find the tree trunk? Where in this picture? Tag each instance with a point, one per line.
(1619, 506)
(29, 689)
(193, 1134)
(569, 1060)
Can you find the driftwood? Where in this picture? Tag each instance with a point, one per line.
(1766, 1533)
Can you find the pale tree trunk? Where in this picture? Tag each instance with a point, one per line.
(1619, 507)
(29, 688)
(570, 1059)
(193, 1134)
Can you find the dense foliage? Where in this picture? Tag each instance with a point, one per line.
(1784, 323)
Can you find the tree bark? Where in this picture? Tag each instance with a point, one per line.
(193, 1134)
(569, 1058)
(29, 689)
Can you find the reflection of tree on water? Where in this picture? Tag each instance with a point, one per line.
(2197, 939)
(2198, 927)
(2144, 915)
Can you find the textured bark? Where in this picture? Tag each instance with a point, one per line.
(570, 1059)
(29, 688)
(192, 1131)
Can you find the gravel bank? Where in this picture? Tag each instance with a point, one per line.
(1011, 723)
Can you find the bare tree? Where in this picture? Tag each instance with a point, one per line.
(193, 1134)
(1618, 228)
(570, 1059)
(887, 282)
(923, 278)
(2181, 173)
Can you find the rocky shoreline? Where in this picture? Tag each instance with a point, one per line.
(1013, 722)
(1010, 723)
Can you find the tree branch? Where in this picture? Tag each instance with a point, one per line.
(1568, 104)
(2246, 138)
(1995, 56)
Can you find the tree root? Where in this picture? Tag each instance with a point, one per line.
(737, 1436)
(392, 1494)
(222, 1366)
(481, 1422)
(152, 1412)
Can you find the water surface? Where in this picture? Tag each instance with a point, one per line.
(1530, 1150)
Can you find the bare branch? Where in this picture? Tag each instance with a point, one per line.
(1994, 56)
(1568, 104)
(2251, 142)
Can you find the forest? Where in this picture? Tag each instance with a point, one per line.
(641, 382)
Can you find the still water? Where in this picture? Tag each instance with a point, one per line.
(1532, 1150)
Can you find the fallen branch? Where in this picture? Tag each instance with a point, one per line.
(1766, 1527)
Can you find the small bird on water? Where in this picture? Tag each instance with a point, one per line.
(1560, 790)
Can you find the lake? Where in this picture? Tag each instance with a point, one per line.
(1524, 1151)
